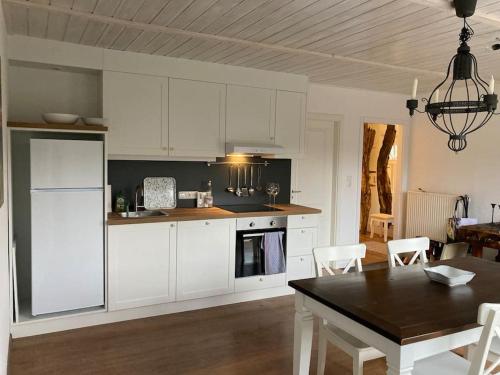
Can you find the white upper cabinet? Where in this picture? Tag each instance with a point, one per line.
(250, 114)
(197, 118)
(205, 258)
(136, 107)
(290, 121)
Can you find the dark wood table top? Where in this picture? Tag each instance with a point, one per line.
(488, 229)
(402, 304)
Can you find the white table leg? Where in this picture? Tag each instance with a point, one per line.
(303, 334)
(399, 362)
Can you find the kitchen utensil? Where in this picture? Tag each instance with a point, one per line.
(94, 121)
(259, 175)
(159, 192)
(450, 276)
(60, 118)
(244, 189)
(238, 189)
(251, 189)
(272, 190)
(230, 188)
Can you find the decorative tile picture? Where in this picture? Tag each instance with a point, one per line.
(159, 192)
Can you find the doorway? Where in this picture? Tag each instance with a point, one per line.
(381, 183)
(314, 174)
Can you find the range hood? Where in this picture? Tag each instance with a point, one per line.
(252, 149)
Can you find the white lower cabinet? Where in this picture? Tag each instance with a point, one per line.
(301, 241)
(205, 258)
(141, 264)
(300, 267)
(245, 284)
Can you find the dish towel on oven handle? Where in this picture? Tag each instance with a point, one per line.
(272, 244)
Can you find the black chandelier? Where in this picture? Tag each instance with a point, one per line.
(462, 110)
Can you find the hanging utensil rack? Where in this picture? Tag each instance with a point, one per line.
(210, 163)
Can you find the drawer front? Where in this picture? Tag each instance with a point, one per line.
(301, 241)
(301, 267)
(245, 284)
(302, 221)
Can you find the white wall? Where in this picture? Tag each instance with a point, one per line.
(44, 90)
(356, 107)
(475, 171)
(4, 269)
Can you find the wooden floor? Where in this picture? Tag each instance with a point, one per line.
(246, 338)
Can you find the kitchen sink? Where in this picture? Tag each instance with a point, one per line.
(138, 214)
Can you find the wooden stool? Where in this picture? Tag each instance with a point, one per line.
(383, 219)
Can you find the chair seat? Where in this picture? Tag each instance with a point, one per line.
(351, 344)
(447, 363)
(382, 216)
(351, 340)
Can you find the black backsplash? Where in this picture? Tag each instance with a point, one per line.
(125, 175)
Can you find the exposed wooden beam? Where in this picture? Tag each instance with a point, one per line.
(219, 38)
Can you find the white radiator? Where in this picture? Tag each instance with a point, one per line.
(427, 214)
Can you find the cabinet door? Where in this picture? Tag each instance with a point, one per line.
(136, 108)
(290, 121)
(205, 258)
(301, 241)
(197, 121)
(141, 264)
(300, 267)
(250, 114)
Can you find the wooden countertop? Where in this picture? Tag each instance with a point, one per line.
(187, 214)
(75, 127)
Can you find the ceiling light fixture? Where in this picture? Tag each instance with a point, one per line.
(469, 102)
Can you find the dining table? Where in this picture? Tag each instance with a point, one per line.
(399, 311)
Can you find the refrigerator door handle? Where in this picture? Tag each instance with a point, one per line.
(66, 190)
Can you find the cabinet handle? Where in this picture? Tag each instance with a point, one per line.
(261, 279)
(295, 192)
(207, 223)
(171, 149)
(301, 259)
(271, 138)
(303, 217)
(303, 231)
(172, 225)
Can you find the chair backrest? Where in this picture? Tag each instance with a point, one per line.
(414, 246)
(455, 250)
(324, 256)
(489, 317)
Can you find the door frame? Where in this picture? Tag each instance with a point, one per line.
(336, 122)
(404, 153)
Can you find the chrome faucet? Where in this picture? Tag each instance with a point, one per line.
(139, 194)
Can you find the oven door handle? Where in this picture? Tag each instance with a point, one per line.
(253, 235)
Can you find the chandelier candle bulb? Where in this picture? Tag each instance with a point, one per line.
(436, 96)
(414, 89)
(492, 86)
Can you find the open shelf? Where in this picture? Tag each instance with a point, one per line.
(77, 127)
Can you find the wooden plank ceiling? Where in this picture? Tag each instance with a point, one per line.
(373, 44)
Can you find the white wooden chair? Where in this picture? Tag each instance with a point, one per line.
(360, 352)
(454, 250)
(414, 247)
(384, 220)
(449, 363)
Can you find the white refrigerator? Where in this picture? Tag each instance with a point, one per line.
(67, 225)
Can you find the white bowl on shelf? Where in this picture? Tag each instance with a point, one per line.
(450, 276)
(94, 121)
(60, 118)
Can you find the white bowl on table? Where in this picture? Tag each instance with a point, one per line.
(450, 276)
(60, 118)
(94, 121)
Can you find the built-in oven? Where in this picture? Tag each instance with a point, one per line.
(260, 246)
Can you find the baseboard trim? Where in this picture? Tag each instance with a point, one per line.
(8, 355)
(40, 327)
